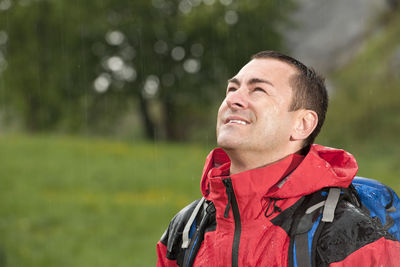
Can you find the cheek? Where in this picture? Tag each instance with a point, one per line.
(286, 123)
(276, 110)
(273, 112)
(276, 118)
(220, 114)
(283, 102)
(222, 109)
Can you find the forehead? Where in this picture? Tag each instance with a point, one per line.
(273, 70)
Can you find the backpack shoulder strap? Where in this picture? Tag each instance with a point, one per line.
(305, 220)
(197, 236)
(317, 210)
(330, 204)
(189, 225)
(178, 236)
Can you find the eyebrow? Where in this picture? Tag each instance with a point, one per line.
(251, 81)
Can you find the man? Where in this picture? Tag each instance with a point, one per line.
(273, 110)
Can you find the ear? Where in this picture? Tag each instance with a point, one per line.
(305, 123)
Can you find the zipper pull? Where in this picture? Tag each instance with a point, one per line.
(229, 191)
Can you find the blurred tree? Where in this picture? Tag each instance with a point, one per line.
(33, 63)
(50, 64)
(172, 56)
(185, 51)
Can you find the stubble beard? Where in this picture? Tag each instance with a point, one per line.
(232, 141)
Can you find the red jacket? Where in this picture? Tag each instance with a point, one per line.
(250, 231)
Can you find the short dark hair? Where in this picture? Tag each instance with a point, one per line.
(309, 91)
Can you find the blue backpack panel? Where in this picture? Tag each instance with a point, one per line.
(381, 201)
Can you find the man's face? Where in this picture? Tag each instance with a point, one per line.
(254, 116)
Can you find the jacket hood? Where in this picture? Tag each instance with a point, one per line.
(294, 176)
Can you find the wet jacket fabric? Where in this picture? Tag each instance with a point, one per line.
(254, 212)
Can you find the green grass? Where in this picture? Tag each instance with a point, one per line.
(78, 202)
(70, 201)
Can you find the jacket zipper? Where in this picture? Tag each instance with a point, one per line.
(236, 216)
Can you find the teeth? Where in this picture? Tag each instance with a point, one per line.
(238, 121)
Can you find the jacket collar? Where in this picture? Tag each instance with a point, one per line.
(293, 176)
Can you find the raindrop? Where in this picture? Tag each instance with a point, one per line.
(191, 65)
(197, 50)
(151, 85)
(115, 63)
(102, 83)
(3, 37)
(225, 2)
(209, 2)
(115, 37)
(178, 53)
(185, 7)
(5, 4)
(168, 79)
(161, 47)
(231, 17)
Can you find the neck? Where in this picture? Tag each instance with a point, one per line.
(242, 161)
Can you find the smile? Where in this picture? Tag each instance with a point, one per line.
(238, 121)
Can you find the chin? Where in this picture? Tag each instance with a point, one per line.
(228, 143)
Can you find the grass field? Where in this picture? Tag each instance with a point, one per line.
(70, 201)
(78, 202)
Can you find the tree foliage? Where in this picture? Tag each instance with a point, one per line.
(74, 64)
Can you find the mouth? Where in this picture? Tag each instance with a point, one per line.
(236, 120)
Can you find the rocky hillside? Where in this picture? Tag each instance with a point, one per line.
(327, 34)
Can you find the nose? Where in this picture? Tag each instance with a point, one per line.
(237, 99)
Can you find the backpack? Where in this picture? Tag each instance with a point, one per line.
(377, 200)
